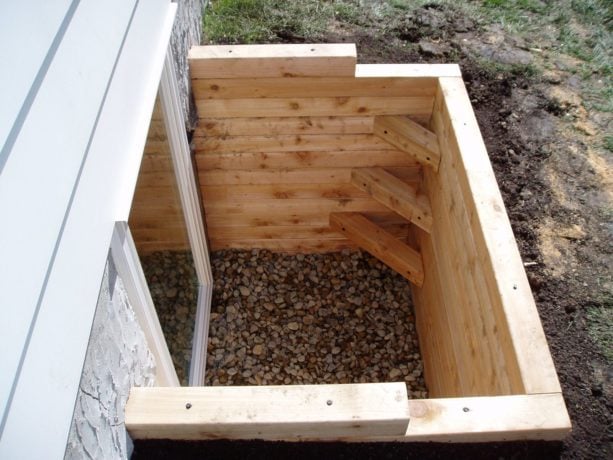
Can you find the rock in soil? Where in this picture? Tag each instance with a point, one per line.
(281, 319)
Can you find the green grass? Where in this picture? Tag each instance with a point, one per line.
(608, 143)
(265, 21)
(600, 324)
(582, 29)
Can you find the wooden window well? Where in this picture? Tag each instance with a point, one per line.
(300, 149)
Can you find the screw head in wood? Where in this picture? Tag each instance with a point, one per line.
(329, 402)
(188, 406)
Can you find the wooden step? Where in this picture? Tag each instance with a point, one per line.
(410, 137)
(394, 193)
(381, 244)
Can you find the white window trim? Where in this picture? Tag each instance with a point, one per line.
(131, 273)
(188, 193)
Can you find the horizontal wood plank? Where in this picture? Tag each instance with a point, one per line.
(155, 222)
(487, 419)
(291, 232)
(395, 194)
(409, 137)
(157, 163)
(292, 176)
(290, 143)
(279, 191)
(175, 235)
(273, 126)
(252, 61)
(303, 159)
(291, 206)
(298, 246)
(315, 87)
(156, 179)
(147, 247)
(374, 239)
(314, 107)
(268, 412)
(304, 218)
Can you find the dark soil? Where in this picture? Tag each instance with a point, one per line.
(536, 159)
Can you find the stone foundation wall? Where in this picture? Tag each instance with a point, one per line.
(117, 358)
(186, 33)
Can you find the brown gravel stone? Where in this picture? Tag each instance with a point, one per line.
(309, 319)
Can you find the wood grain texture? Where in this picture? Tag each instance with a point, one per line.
(496, 250)
(251, 61)
(291, 143)
(246, 193)
(269, 412)
(314, 107)
(395, 194)
(469, 419)
(291, 176)
(289, 246)
(291, 232)
(273, 126)
(410, 137)
(156, 218)
(306, 218)
(441, 371)
(290, 206)
(236, 88)
(381, 244)
(303, 159)
(487, 419)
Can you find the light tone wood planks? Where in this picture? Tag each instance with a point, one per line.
(486, 419)
(160, 235)
(245, 193)
(408, 136)
(293, 176)
(268, 412)
(460, 331)
(156, 218)
(290, 206)
(273, 126)
(236, 88)
(291, 143)
(394, 193)
(305, 218)
(270, 232)
(285, 245)
(496, 250)
(476, 419)
(314, 107)
(374, 239)
(430, 302)
(257, 137)
(303, 159)
(296, 60)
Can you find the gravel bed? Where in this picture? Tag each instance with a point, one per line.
(304, 319)
(174, 288)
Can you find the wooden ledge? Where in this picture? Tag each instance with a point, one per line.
(380, 243)
(410, 137)
(269, 412)
(260, 61)
(394, 193)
